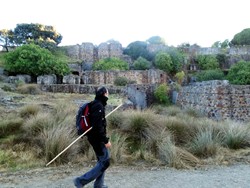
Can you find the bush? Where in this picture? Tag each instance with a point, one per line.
(163, 62)
(239, 73)
(207, 62)
(210, 75)
(142, 64)
(121, 81)
(161, 94)
(34, 60)
(110, 64)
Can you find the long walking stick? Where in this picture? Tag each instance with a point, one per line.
(80, 137)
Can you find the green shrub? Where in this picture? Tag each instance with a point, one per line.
(210, 75)
(34, 60)
(6, 88)
(239, 73)
(142, 64)
(121, 81)
(161, 94)
(207, 62)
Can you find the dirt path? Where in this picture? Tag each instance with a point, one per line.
(236, 176)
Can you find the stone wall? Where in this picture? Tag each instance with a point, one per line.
(87, 53)
(138, 76)
(82, 89)
(141, 95)
(217, 99)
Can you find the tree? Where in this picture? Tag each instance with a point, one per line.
(242, 38)
(142, 64)
(110, 64)
(6, 38)
(34, 60)
(239, 73)
(42, 35)
(219, 44)
(177, 59)
(161, 94)
(163, 61)
(138, 49)
(207, 62)
(156, 40)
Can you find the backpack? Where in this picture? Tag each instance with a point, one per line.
(83, 118)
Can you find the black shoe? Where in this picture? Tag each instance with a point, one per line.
(77, 183)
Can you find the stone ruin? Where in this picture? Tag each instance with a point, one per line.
(87, 54)
(217, 99)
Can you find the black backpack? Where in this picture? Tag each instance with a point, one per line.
(83, 118)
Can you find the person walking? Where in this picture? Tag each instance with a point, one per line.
(98, 139)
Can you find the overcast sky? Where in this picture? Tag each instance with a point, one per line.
(201, 22)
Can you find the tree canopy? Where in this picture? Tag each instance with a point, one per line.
(242, 38)
(6, 38)
(34, 60)
(42, 35)
(156, 40)
(138, 49)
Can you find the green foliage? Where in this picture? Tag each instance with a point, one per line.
(142, 64)
(111, 64)
(138, 49)
(161, 94)
(239, 73)
(6, 38)
(219, 44)
(42, 35)
(207, 62)
(241, 38)
(210, 75)
(163, 61)
(121, 81)
(222, 59)
(180, 77)
(34, 60)
(156, 40)
(177, 59)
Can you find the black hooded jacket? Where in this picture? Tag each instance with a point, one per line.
(97, 136)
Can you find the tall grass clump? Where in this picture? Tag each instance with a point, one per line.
(236, 135)
(10, 125)
(32, 89)
(175, 156)
(142, 127)
(56, 139)
(205, 143)
(29, 110)
(119, 147)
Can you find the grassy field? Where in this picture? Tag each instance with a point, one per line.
(34, 128)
